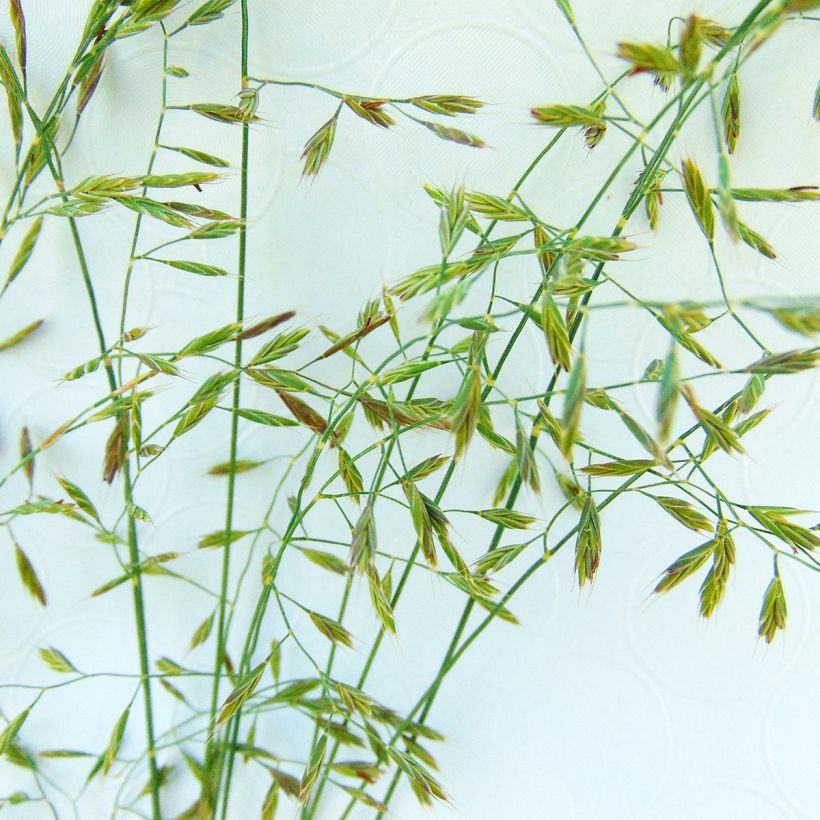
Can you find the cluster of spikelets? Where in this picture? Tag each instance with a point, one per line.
(571, 267)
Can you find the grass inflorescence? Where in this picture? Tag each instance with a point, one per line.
(407, 405)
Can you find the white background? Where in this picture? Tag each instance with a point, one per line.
(602, 705)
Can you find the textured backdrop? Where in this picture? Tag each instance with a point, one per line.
(602, 705)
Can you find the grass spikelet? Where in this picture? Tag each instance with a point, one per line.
(456, 135)
(372, 323)
(79, 497)
(714, 34)
(12, 729)
(773, 612)
(801, 193)
(685, 513)
(363, 541)
(466, 407)
(229, 114)
(508, 519)
(573, 404)
(18, 20)
(588, 542)
(317, 148)
(555, 332)
(265, 325)
(28, 576)
(447, 105)
(422, 523)
(654, 199)
(731, 113)
(525, 457)
(14, 98)
(568, 116)
(792, 361)
(716, 429)
(625, 467)
(495, 207)
(24, 251)
(244, 689)
(380, 600)
(688, 564)
(697, 193)
(20, 335)
(311, 773)
(714, 585)
(776, 521)
(755, 240)
(668, 395)
(303, 412)
(805, 321)
(209, 11)
(115, 452)
(331, 629)
(658, 61)
(370, 110)
(56, 660)
(194, 415)
(202, 632)
(210, 341)
(689, 48)
(113, 748)
(27, 455)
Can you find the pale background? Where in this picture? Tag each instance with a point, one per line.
(601, 705)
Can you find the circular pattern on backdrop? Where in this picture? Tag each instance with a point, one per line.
(680, 650)
(336, 260)
(576, 719)
(112, 650)
(53, 29)
(314, 36)
(417, 68)
(728, 800)
(791, 742)
(20, 613)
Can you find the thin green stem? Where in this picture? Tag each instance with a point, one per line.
(53, 161)
(213, 755)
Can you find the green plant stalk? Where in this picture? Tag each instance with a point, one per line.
(299, 515)
(310, 809)
(213, 755)
(133, 550)
(57, 104)
(227, 748)
(53, 161)
(452, 654)
(722, 151)
(515, 489)
(548, 393)
(455, 653)
(504, 355)
(152, 160)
